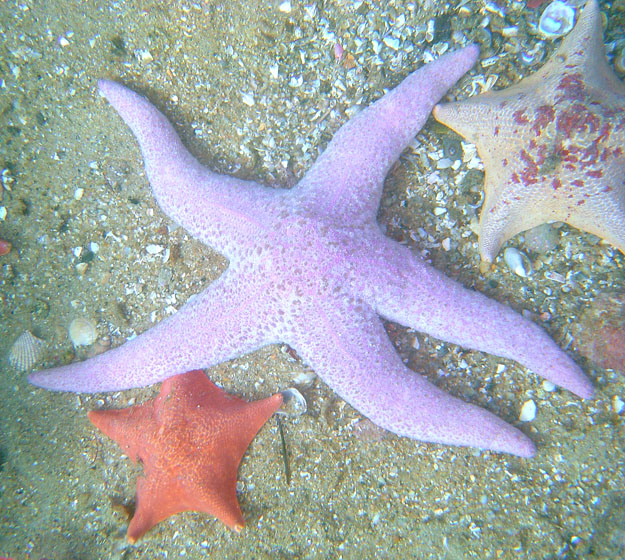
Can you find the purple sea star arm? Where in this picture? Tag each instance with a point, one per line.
(348, 177)
(417, 295)
(346, 344)
(233, 210)
(218, 324)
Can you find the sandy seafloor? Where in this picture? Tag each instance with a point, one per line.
(351, 496)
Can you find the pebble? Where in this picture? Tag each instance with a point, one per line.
(548, 386)
(617, 404)
(153, 249)
(528, 411)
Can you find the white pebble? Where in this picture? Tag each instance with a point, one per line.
(617, 404)
(528, 411)
(548, 386)
(248, 98)
(3, 213)
(78, 193)
(154, 249)
(285, 7)
(391, 42)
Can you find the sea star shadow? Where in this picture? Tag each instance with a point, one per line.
(310, 267)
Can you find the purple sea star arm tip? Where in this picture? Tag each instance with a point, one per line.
(349, 175)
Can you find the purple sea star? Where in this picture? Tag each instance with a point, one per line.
(310, 267)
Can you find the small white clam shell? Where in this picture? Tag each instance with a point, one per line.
(82, 332)
(26, 351)
(557, 19)
(294, 403)
(517, 262)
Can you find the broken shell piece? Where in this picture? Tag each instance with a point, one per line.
(557, 20)
(82, 332)
(26, 351)
(294, 403)
(305, 378)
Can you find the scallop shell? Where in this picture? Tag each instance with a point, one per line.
(26, 351)
(82, 332)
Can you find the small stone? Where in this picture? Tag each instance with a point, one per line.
(528, 411)
(154, 249)
(617, 404)
(248, 99)
(548, 386)
(392, 43)
(81, 268)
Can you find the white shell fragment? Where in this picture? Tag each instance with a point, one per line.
(557, 20)
(294, 403)
(528, 411)
(82, 332)
(26, 351)
(517, 262)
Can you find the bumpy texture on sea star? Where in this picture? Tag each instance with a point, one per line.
(190, 441)
(310, 267)
(553, 145)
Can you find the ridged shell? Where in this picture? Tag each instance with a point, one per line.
(82, 332)
(26, 351)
